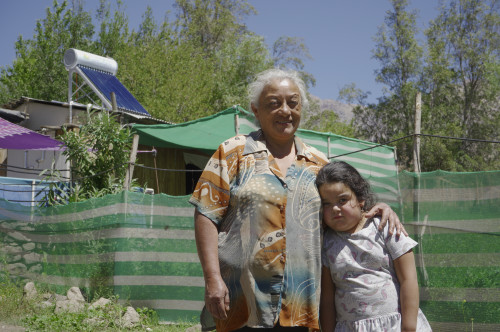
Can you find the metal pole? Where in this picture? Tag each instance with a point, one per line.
(70, 96)
(416, 158)
(416, 139)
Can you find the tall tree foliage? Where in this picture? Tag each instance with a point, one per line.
(290, 52)
(37, 71)
(459, 80)
(179, 70)
(183, 71)
(400, 56)
(462, 81)
(113, 31)
(210, 23)
(329, 121)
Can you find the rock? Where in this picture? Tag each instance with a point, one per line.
(32, 257)
(45, 305)
(73, 302)
(15, 258)
(30, 291)
(60, 297)
(11, 250)
(28, 246)
(17, 269)
(93, 321)
(195, 328)
(11, 328)
(72, 306)
(37, 269)
(75, 294)
(101, 303)
(130, 318)
(19, 236)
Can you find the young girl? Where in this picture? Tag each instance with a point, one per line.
(369, 279)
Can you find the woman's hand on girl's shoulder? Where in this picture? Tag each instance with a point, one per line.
(387, 214)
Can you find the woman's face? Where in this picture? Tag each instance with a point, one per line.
(279, 110)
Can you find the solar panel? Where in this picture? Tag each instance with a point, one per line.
(107, 83)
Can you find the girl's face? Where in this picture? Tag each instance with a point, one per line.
(341, 210)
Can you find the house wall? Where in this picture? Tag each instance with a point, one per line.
(3, 159)
(42, 115)
(33, 161)
(167, 182)
(48, 115)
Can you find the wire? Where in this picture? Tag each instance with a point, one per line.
(412, 135)
(5, 166)
(372, 147)
(23, 191)
(21, 172)
(460, 138)
(169, 170)
(42, 183)
(33, 169)
(20, 201)
(100, 173)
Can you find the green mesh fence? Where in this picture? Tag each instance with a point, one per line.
(455, 217)
(142, 248)
(139, 247)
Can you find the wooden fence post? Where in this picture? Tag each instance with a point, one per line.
(130, 169)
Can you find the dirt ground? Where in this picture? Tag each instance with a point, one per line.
(4, 327)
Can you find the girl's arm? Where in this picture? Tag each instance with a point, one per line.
(407, 276)
(327, 315)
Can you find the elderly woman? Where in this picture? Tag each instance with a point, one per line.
(257, 221)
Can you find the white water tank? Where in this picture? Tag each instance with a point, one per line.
(74, 57)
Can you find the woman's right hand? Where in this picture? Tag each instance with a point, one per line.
(216, 297)
(216, 292)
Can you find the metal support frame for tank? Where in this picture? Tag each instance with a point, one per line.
(105, 102)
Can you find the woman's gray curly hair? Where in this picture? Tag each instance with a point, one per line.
(264, 78)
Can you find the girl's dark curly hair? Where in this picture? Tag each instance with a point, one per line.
(340, 171)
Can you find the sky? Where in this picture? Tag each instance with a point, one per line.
(338, 33)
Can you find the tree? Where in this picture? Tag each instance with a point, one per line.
(113, 33)
(209, 23)
(399, 55)
(364, 112)
(99, 153)
(194, 66)
(289, 52)
(329, 121)
(37, 71)
(181, 72)
(462, 81)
